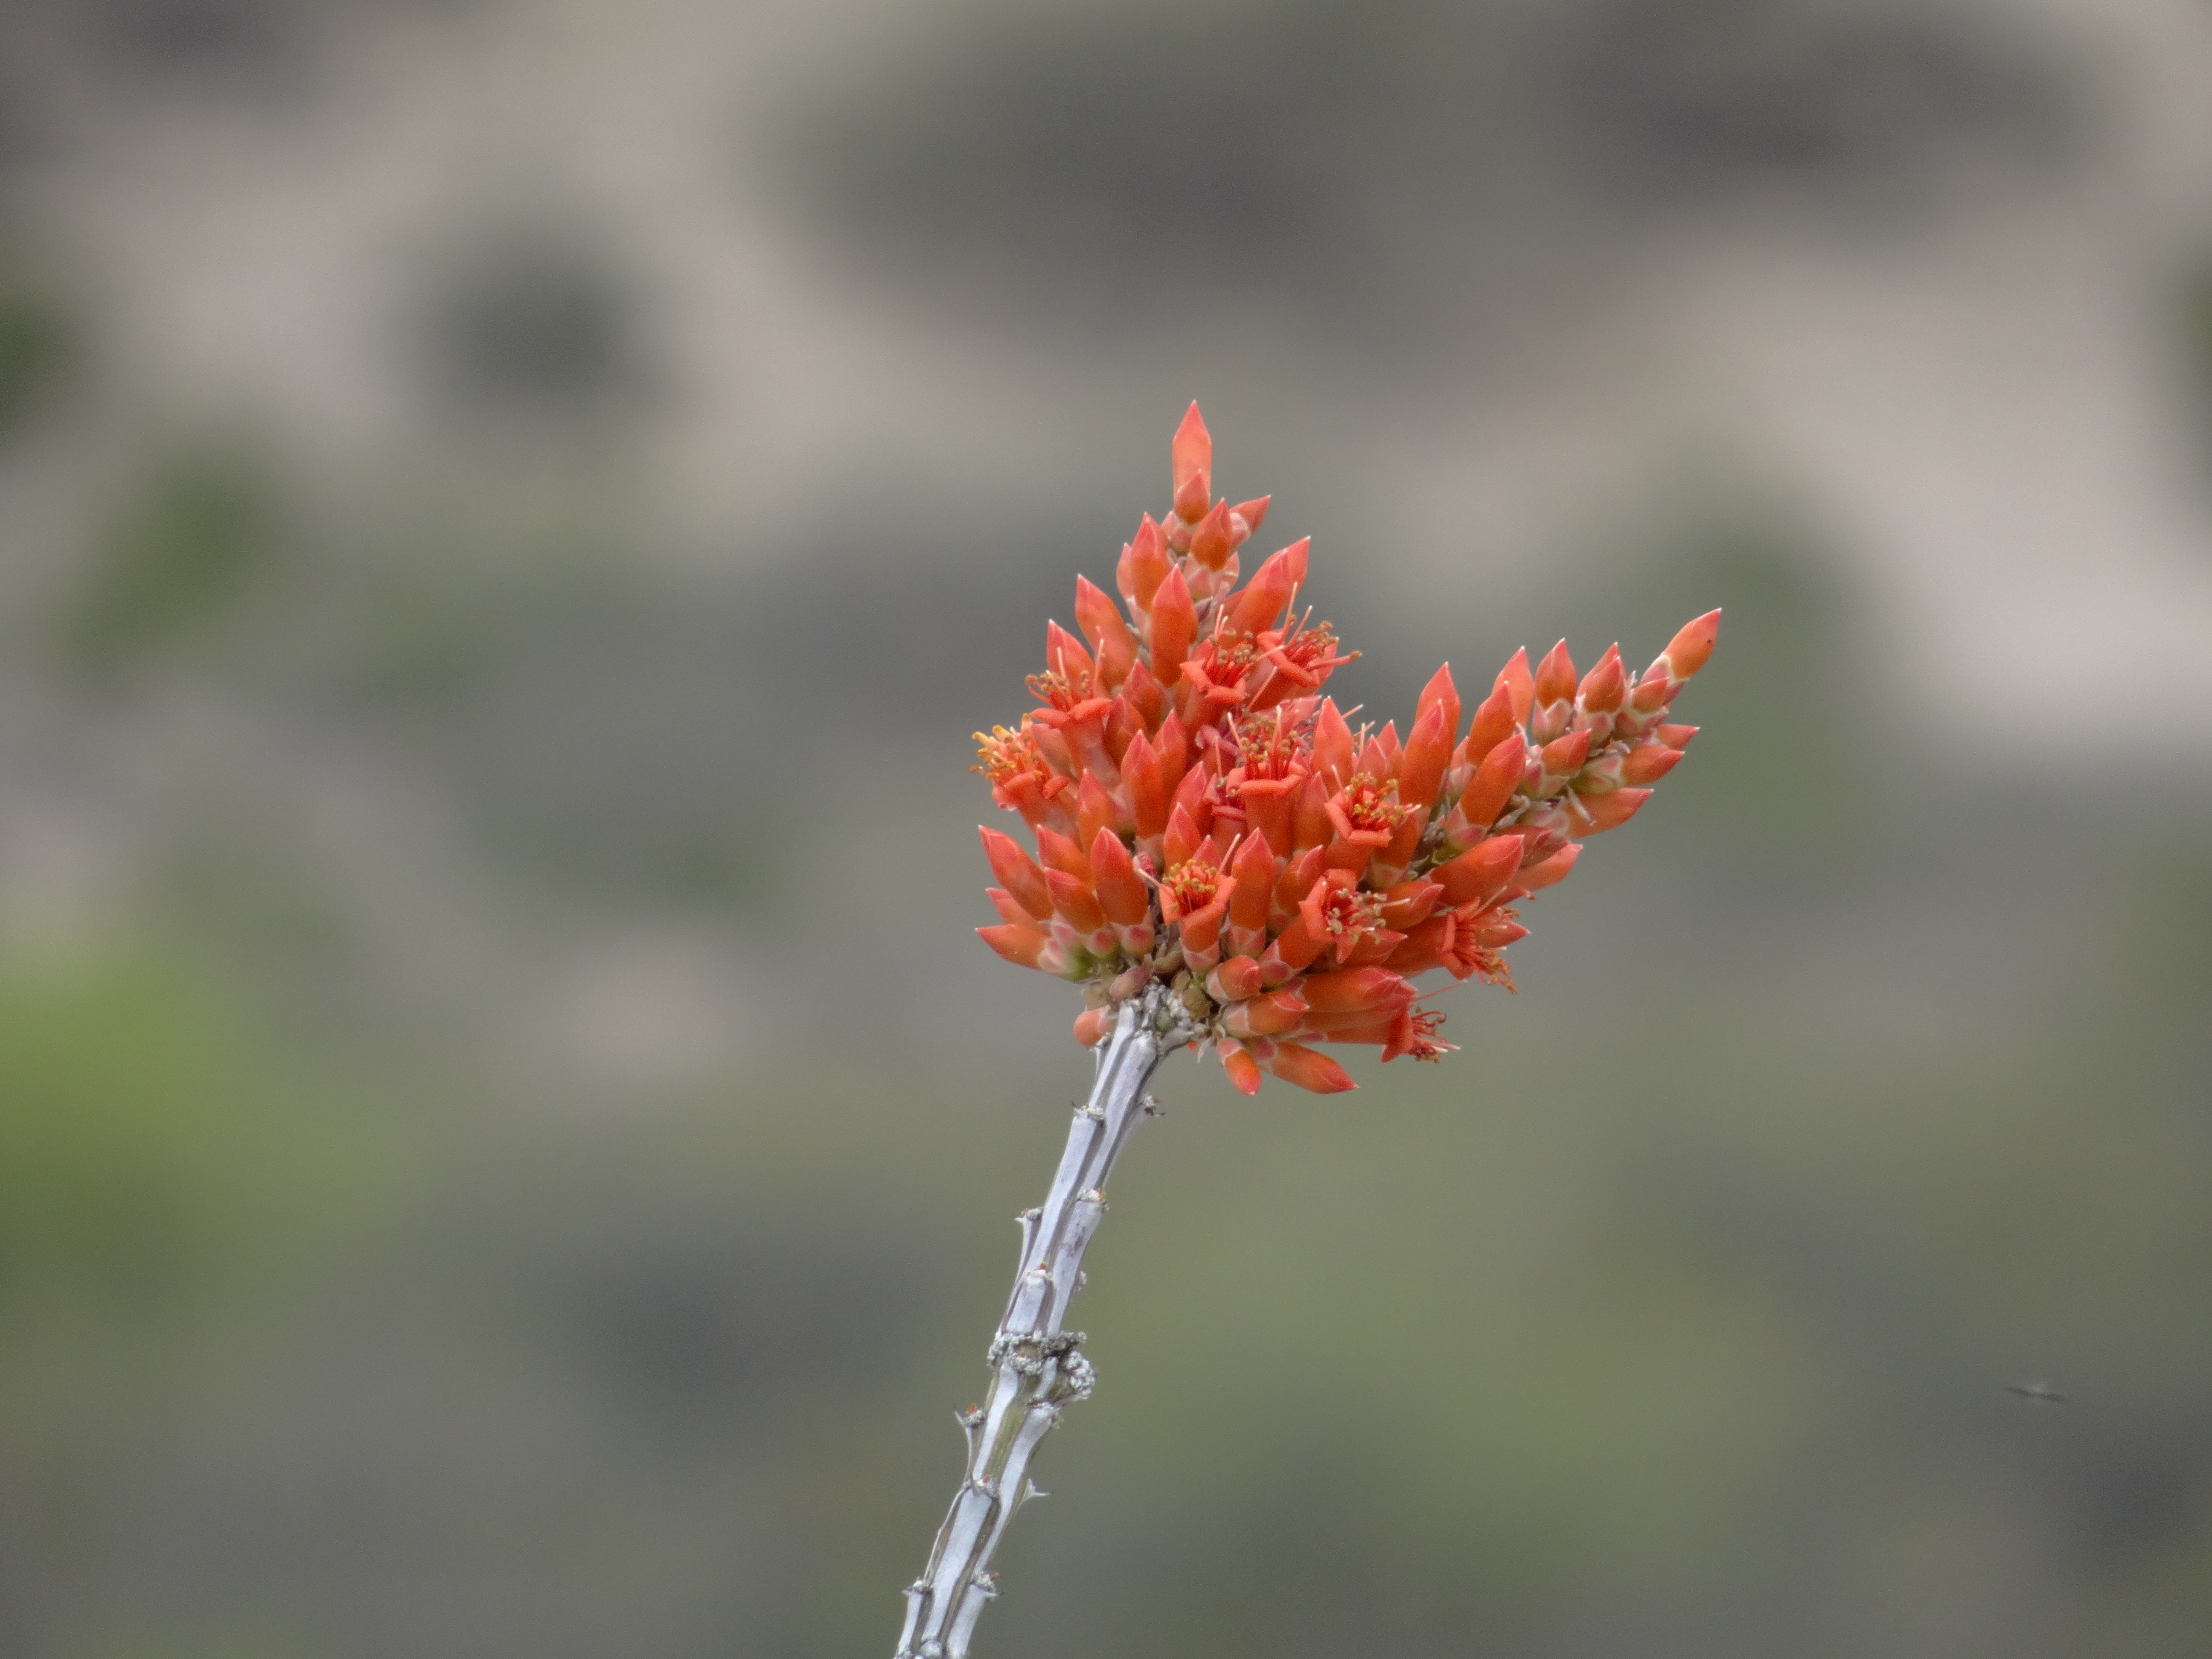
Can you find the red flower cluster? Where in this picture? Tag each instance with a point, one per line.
(1204, 816)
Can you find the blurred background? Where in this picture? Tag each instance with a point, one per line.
(506, 1145)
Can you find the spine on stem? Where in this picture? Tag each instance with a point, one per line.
(1037, 1367)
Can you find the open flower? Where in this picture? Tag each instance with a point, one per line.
(1206, 818)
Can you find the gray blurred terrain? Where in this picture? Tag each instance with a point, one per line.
(510, 514)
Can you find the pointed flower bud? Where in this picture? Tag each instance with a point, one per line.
(1102, 624)
(1063, 854)
(1234, 980)
(1428, 750)
(1650, 763)
(1261, 603)
(1174, 626)
(1243, 1071)
(1148, 564)
(1691, 648)
(1519, 684)
(1332, 746)
(1192, 455)
(1482, 872)
(1610, 810)
(1018, 944)
(1211, 540)
(1605, 686)
(1309, 1069)
(1066, 658)
(1555, 676)
(1254, 868)
(1075, 900)
(1494, 722)
(1353, 990)
(1493, 784)
(1017, 871)
(1564, 757)
(1552, 870)
(1269, 1013)
(1440, 693)
(1122, 894)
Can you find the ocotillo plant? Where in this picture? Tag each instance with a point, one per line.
(1223, 860)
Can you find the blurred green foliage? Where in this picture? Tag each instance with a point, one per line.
(173, 1179)
(41, 349)
(182, 551)
(153, 1144)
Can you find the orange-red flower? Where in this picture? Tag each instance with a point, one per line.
(1205, 816)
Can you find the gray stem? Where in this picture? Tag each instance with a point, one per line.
(1037, 1368)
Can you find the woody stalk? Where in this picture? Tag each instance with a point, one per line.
(1223, 860)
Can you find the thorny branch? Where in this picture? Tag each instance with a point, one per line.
(1037, 1368)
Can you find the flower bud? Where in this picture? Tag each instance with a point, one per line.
(1264, 598)
(1421, 767)
(1121, 891)
(1102, 624)
(1440, 692)
(1234, 980)
(1349, 990)
(1555, 676)
(1519, 684)
(1689, 650)
(1552, 870)
(1191, 457)
(1332, 746)
(1058, 852)
(1174, 626)
(1494, 722)
(1650, 763)
(1182, 839)
(1604, 687)
(1269, 1014)
(1493, 784)
(1564, 757)
(1075, 902)
(1022, 946)
(1210, 544)
(1243, 1071)
(1610, 811)
(1309, 1069)
(1148, 565)
(1255, 868)
(1482, 872)
(1020, 875)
